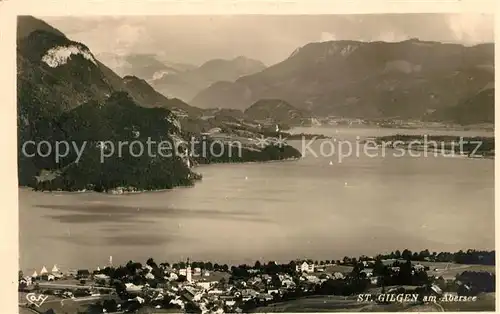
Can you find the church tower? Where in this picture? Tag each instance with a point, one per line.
(189, 275)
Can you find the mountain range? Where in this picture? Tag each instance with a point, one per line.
(65, 93)
(408, 79)
(180, 80)
(145, 66)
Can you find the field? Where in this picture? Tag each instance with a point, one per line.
(342, 304)
(450, 270)
(447, 270)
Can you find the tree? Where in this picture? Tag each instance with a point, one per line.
(150, 262)
(378, 268)
(424, 254)
(95, 308)
(356, 270)
(406, 255)
(257, 265)
(110, 305)
(181, 278)
(121, 289)
(209, 266)
(405, 276)
(22, 286)
(276, 282)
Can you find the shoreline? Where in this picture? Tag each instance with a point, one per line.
(159, 190)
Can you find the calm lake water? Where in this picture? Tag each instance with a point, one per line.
(315, 207)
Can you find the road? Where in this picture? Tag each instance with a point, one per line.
(56, 285)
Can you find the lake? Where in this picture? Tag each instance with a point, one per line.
(315, 207)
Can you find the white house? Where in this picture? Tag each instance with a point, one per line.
(26, 280)
(338, 275)
(305, 267)
(173, 276)
(131, 288)
(312, 279)
(419, 267)
(204, 284)
(138, 299)
(368, 272)
(288, 283)
(178, 302)
(101, 276)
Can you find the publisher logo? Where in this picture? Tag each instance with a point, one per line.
(35, 299)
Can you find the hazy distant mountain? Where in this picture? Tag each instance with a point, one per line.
(145, 66)
(358, 79)
(178, 66)
(149, 97)
(179, 80)
(186, 85)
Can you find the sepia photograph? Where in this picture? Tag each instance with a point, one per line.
(256, 163)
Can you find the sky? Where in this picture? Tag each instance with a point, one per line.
(268, 38)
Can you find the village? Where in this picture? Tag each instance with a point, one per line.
(197, 287)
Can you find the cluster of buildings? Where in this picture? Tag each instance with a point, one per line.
(189, 288)
(216, 295)
(44, 275)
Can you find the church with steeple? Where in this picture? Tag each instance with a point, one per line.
(189, 273)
